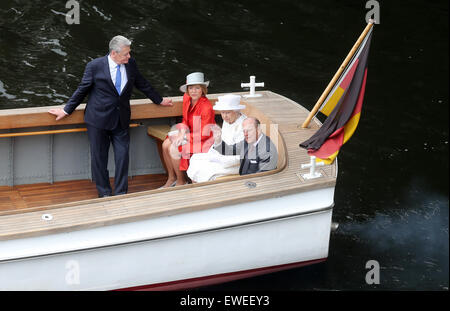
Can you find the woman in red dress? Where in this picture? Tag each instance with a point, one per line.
(193, 134)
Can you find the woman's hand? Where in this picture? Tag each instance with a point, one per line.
(180, 139)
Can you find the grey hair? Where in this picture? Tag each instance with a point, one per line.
(117, 43)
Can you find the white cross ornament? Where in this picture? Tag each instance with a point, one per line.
(312, 169)
(252, 85)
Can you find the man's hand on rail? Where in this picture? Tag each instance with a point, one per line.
(58, 112)
(166, 102)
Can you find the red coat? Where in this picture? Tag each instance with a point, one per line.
(196, 119)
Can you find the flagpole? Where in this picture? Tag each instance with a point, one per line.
(337, 74)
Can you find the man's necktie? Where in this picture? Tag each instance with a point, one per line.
(118, 79)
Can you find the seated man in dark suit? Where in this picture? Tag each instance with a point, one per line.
(258, 153)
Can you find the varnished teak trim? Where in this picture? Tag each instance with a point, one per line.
(51, 132)
(36, 117)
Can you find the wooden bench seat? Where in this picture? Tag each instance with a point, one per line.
(158, 131)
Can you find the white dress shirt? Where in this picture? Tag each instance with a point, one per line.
(113, 71)
(256, 143)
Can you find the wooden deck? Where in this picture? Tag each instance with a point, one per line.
(273, 110)
(34, 197)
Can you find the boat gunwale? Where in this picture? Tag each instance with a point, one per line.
(177, 235)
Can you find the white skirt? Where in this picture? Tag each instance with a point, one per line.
(210, 165)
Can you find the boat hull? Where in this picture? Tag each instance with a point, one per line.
(175, 252)
(219, 278)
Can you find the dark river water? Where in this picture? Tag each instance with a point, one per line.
(392, 197)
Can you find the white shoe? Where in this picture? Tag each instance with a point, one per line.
(171, 185)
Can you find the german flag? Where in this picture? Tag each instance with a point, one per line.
(342, 108)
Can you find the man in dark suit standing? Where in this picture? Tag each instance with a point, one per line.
(109, 81)
(257, 152)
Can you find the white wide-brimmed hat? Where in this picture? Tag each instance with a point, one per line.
(193, 79)
(228, 102)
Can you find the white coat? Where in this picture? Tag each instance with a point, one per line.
(210, 165)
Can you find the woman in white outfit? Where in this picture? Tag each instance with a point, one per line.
(210, 165)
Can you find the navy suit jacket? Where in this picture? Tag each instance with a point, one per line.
(106, 109)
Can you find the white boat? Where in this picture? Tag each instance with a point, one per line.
(56, 235)
(172, 238)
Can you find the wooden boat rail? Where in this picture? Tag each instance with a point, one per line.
(52, 132)
(273, 110)
(39, 116)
